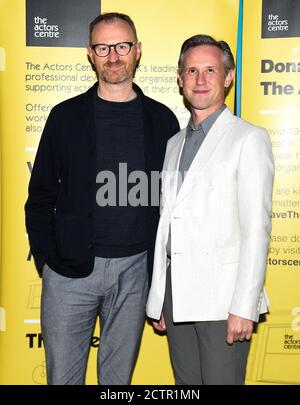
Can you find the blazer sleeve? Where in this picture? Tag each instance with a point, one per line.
(254, 187)
(42, 195)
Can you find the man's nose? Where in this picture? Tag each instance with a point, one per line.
(113, 56)
(201, 79)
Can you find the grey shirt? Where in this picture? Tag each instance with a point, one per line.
(193, 140)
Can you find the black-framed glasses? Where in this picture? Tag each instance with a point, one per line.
(121, 48)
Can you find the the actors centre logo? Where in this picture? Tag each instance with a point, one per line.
(276, 24)
(44, 30)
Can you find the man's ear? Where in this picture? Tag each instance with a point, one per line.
(90, 54)
(138, 50)
(180, 84)
(229, 78)
(179, 80)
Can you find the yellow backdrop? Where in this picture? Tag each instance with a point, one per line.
(162, 27)
(25, 104)
(275, 350)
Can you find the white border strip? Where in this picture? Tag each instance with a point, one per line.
(31, 321)
(30, 149)
(290, 111)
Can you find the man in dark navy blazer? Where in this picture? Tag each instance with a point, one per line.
(91, 232)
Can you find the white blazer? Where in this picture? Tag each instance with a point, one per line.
(220, 225)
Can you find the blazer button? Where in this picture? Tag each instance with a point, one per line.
(90, 246)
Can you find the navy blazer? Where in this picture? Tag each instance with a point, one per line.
(62, 189)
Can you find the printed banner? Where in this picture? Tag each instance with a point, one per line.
(42, 62)
(271, 99)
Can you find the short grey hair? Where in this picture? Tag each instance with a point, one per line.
(111, 18)
(202, 39)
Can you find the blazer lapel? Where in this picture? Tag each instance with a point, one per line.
(205, 152)
(170, 175)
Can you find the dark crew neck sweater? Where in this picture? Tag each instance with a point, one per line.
(119, 226)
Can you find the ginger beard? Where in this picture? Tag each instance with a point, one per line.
(115, 72)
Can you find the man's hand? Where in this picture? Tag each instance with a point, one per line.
(160, 326)
(238, 329)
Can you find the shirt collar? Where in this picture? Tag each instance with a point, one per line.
(205, 125)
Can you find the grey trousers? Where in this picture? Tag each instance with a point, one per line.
(116, 291)
(199, 352)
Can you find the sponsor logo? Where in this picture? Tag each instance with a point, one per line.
(59, 23)
(280, 19)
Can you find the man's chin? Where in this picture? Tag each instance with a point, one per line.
(115, 79)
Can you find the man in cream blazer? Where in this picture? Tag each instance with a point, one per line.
(213, 235)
